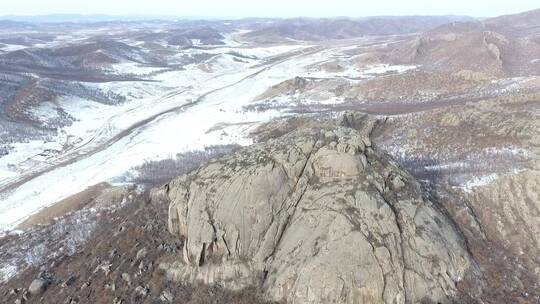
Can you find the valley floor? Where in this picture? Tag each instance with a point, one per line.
(184, 110)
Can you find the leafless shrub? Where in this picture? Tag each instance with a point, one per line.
(455, 169)
(240, 55)
(215, 294)
(69, 88)
(4, 150)
(154, 173)
(36, 246)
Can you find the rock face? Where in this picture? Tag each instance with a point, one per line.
(316, 216)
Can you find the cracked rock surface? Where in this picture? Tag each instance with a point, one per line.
(316, 215)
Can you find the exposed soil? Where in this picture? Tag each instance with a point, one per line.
(70, 204)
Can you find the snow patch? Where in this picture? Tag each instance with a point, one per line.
(386, 68)
(479, 181)
(12, 47)
(172, 128)
(7, 271)
(265, 52)
(181, 110)
(132, 68)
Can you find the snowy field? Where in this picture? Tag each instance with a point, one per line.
(176, 113)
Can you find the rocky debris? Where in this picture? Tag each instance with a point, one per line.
(69, 282)
(143, 291)
(141, 254)
(166, 296)
(94, 273)
(316, 215)
(104, 267)
(118, 300)
(127, 278)
(111, 287)
(38, 286)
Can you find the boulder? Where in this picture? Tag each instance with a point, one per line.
(38, 286)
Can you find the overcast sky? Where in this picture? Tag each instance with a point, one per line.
(268, 8)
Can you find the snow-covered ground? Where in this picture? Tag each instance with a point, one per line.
(12, 47)
(385, 68)
(175, 113)
(180, 108)
(354, 73)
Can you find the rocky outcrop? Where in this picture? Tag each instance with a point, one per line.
(481, 162)
(506, 231)
(316, 216)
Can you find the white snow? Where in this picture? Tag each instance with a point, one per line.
(508, 151)
(448, 166)
(172, 126)
(264, 52)
(7, 271)
(350, 71)
(230, 39)
(285, 101)
(479, 181)
(385, 68)
(12, 47)
(225, 91)
(46, 113)
(134, 68)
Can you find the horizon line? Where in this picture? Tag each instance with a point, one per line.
(157, 17)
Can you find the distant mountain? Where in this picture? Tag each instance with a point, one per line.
(343, 28)
(525, 23)
(502, 46)
(15, 24)
(62, 18)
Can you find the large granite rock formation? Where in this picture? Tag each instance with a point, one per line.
(316, 215)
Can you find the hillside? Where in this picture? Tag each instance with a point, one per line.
(503, 46)
(382, 159)
(324, 29)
